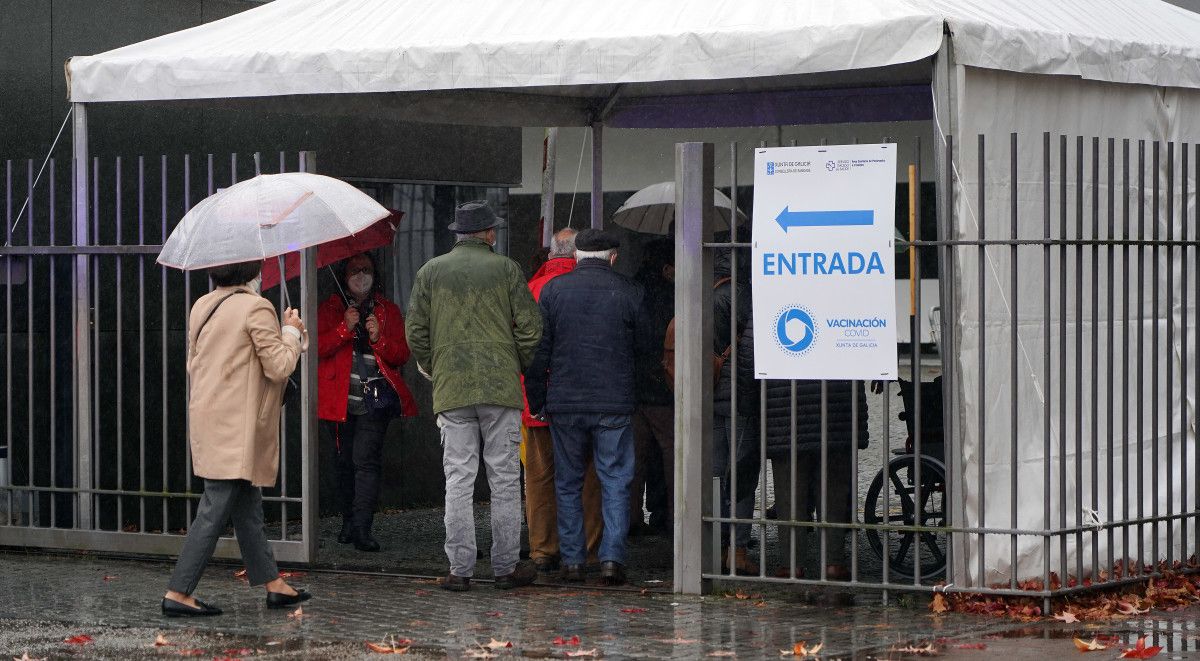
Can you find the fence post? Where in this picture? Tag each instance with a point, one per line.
(82, 374)
(693, 364)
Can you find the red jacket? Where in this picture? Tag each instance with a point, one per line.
(335, 349)
(549, 271)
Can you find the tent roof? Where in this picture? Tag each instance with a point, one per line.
(317, 47)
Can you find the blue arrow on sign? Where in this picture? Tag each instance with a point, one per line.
(788, 218)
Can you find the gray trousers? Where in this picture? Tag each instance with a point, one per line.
(224, 500)
(498, 430)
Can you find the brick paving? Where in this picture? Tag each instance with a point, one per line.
(45, 598)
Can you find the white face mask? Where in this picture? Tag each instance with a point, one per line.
(256, 284)
(360, 283)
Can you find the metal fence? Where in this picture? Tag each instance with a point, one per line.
(121, 480)
(1045, 446)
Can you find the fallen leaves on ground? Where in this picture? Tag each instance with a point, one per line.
(802, 650)
(572, 641)
(938, 603)
(592, 652)
(494, 614)
(1170, 590)
(1092, 645)
(238, 651)
(191, 652)
(82, 639)
(677, 640)
(161, 641)
(1126, 608)
(422, 593)
(479, 654)
(1141, 651)
(297, 614)
(494, 644)
(1066, 616)
(292, 574)
(971, 646)
(392, 645)
(240, 575)
(109, 578)
(723, 653)
(633, 610)
(926, 650)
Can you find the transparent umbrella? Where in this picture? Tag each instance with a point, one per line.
(652, 210)
(268, 216)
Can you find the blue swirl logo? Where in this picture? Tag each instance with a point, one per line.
(795, 329)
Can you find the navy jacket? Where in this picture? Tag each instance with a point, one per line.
(592, 322)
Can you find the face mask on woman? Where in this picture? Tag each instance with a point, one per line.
(360, 283)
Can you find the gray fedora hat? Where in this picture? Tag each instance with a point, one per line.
(476, 216)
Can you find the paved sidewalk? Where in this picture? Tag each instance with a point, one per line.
(46, 599)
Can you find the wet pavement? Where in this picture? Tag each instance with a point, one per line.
(45, 600)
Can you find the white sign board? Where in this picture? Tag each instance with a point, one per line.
(823, 270)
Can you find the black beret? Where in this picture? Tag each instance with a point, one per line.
(593, 240)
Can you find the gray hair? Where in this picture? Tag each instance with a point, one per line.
(563, 244)
(482, 234)
(606, 255)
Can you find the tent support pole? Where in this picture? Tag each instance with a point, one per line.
(598, 175)
(82, 375)
(693, 364)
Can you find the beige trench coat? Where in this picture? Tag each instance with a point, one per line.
(238, 366)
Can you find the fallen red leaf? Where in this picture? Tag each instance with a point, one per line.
(494, 614)
(633, 610)
(109, 578)
(422, 593)
(573, 641)
(1141, 651)
(161, 641)
(82, 639)
(938, 604)
(971, 646)
(1066, 616)
(292, 574)
(242, 651)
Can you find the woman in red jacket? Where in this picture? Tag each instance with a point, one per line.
(361, 343)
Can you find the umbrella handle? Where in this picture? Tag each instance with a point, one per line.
(287, 303)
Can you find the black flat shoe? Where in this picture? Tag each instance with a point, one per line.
(347, 533)
(172, 608)
(280, 600)
(363, 541)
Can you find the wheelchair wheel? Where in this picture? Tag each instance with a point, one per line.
(908, 550)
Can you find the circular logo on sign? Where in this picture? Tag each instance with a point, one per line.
(795, 329)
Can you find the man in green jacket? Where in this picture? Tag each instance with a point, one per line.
(473, 328)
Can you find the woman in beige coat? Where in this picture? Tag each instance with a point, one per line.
(239, 358)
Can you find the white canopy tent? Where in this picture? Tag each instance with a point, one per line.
(992, 67)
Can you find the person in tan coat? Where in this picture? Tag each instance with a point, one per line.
(239, 359)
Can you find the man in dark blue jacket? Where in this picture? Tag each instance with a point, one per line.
(582, 381)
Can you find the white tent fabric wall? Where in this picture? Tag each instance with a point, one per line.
(995, 104)
(356, 46)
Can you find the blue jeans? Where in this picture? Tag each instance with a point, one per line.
(610, 439)
(747, 472)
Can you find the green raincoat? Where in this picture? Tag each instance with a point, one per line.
(473, 327)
